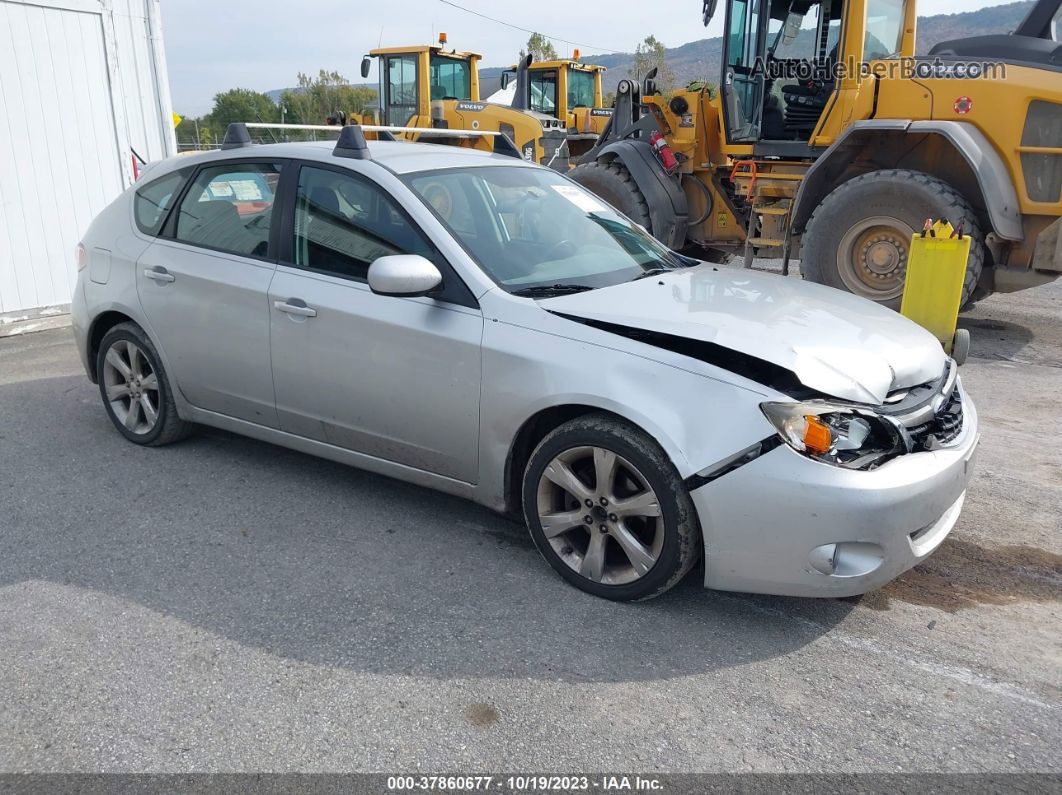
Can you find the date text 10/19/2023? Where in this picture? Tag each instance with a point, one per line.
(525, 783)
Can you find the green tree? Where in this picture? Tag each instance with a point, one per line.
(241, 104)
(651, 53)
(540, 47)
(186, 133)
(316, 98)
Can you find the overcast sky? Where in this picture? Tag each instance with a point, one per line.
(212, 46)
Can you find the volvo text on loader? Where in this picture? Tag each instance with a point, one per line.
(430, 86)
(831, 141)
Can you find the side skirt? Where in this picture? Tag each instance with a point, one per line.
(338, 454)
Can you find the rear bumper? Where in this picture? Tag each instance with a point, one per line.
(777, 524)
(79, 320)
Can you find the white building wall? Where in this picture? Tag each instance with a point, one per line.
(82, 84)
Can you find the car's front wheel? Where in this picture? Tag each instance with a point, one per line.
(608, 511)
(134, 388)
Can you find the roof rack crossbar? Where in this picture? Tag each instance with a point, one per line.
(503, 145)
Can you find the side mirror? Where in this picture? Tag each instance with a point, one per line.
(406, 275)
(366, 63)
(708, 11)
(505, 80)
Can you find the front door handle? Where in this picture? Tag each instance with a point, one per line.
(160, 275)
(295, 306)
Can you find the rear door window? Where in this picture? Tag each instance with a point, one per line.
(230, 208)
(151, 202)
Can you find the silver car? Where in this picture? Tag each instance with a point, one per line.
(483, 326)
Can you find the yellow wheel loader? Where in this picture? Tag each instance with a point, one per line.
(830, 140)
(566, 89)
(434, 87)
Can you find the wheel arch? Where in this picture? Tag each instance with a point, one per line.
(954, 152)
(536, 427)
(98, 329)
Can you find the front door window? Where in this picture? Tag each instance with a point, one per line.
(400, 89)
(742, 83)
(544, 92)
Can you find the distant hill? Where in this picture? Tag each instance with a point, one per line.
(700, 60)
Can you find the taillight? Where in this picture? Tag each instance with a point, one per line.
(81, 256)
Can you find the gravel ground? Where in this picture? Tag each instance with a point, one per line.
(225, 605)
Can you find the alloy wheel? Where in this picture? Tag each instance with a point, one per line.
(131, 386)
(600, 515)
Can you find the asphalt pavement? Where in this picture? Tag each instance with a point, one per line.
(226, 605)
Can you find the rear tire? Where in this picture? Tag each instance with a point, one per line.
(135, 390)
(858, 238)
(643, 535)
(613, 183)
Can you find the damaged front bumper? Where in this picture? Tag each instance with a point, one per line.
(785, 524)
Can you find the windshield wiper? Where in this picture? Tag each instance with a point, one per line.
(652, 272)
(552, 289)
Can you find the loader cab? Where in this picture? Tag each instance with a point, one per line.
(412, 78)
(785, 61)
(566, 89)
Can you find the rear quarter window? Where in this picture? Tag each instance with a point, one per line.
(151, 202)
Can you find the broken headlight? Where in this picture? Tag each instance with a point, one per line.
(836, 434)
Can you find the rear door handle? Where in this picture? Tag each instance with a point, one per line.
(160, 275)
(295, 306)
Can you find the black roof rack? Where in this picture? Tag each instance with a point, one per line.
(352, 144)
(236, 136)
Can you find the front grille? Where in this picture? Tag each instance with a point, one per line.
(1042, 170)
(944, 428)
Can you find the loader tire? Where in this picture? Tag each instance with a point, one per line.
(614, 183)
(858, 238)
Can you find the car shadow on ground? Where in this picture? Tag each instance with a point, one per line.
(318, 562)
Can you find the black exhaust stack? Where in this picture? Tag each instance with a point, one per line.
(522, 98)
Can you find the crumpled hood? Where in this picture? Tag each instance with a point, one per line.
(834, 342)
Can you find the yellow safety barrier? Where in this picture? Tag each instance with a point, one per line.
(932, 293)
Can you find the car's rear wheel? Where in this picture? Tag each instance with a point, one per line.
(134, 388)
(608, 511)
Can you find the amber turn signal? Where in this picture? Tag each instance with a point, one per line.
(817, 435)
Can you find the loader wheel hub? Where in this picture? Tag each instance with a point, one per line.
(882, 257)
(872, 257)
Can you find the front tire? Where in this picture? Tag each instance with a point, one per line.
(859, 237)
(614, 183)
(608, 511)
(135, 390)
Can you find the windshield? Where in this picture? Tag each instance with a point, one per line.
(450, 78)
(580, 89)
(533, 228)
